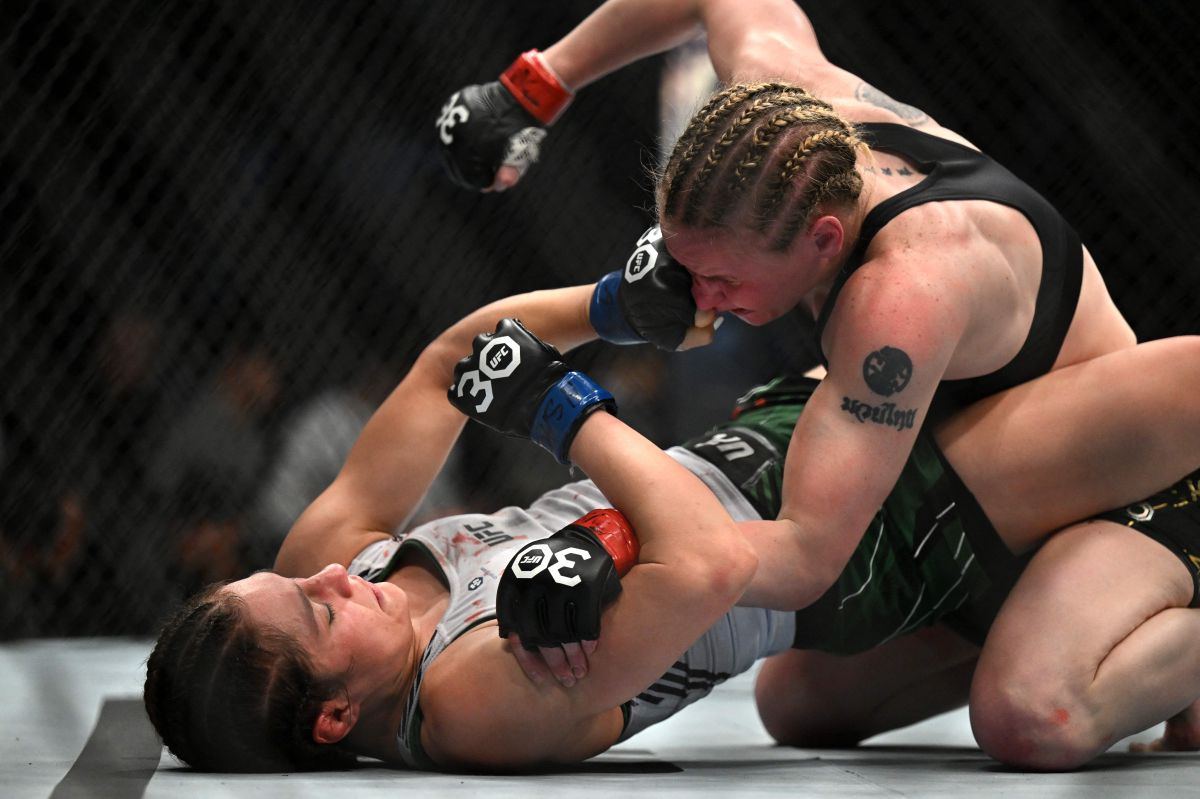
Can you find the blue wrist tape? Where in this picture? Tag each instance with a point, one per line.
(605, 314)
(563, 409)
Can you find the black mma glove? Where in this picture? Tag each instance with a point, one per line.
(553, 591)
(500, 123)
(650, 300)
(516, 384)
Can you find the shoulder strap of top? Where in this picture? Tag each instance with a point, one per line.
(892, 138)
(953, 172)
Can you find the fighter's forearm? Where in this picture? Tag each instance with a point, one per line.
(747, 39)
(557, 316)
(620, 32)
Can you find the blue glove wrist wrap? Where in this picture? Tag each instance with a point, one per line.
(563, 409)
(605, 315)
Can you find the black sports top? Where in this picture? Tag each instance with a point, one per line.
(956, 172)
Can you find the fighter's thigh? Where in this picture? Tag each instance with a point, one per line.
(815, 699)
(1083, 439)
(1085, 590)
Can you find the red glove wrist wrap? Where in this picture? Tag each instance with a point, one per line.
(537, 88)
(614, 532)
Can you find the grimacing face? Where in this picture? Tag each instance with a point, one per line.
(733, 275)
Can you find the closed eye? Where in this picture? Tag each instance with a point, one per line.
(716, 279)
(332, 615)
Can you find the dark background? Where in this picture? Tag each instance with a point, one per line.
(213, 213)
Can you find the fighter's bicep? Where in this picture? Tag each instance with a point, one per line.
(890, 342)
(874, 386)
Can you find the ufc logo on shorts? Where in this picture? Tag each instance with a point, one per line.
(728, 445)
(536, 558)
(499, 358)
(452, 114)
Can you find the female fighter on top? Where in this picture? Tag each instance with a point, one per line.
(935, 278)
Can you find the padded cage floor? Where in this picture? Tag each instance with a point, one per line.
(72, 726)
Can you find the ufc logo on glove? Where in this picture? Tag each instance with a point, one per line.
(538, 557)
(499, 358)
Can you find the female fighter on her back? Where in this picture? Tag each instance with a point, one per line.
(367, 643)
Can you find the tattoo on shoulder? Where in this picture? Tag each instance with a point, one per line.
(889, 170)
(910, 114)
(887, 371)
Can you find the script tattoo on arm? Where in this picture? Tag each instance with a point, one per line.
(886, 371)
(910, 114)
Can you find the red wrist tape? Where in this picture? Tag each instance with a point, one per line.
(536, 88)
(614, 532)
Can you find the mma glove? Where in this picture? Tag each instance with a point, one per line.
(553, 591)
(650, 300)
(516, 384)
(483, 127)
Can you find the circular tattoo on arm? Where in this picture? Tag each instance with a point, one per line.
(887, 371)
(910, 114)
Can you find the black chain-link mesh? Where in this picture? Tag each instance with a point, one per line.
(225, 233)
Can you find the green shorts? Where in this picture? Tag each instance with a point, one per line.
(929, 556)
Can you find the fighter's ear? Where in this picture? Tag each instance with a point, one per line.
(827, 235)
(337, 718)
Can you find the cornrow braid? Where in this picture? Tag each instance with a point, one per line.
(225, 696)
(826, 178)
(755, 149)
(832, 188)
(700, 127)
(700, 130)
(755, 157)
(174, 656)
(796, 161)
(746, 116)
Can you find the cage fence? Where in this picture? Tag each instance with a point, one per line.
(225, 234)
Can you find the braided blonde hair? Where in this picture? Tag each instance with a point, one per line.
(762, 155)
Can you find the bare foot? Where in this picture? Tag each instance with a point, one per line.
(1182, 733)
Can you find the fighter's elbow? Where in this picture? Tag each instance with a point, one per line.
(725, 571)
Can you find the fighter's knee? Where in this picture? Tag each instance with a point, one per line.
(793, 718)
(1035, 730)
(805, 733)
